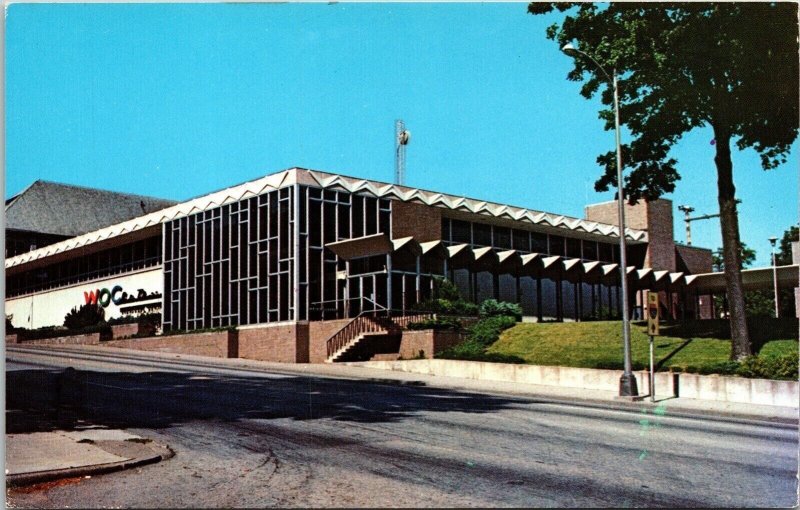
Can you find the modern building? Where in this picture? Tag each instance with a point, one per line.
(292, 257)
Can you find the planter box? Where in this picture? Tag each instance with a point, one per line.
(216, 344)
(428, 342)
(132, 329)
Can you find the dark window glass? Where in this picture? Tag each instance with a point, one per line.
(556, 245)
(481, 234)
(573, 248)
(590, 250)
(604, 252)
(538, 242)
(461, 232)
(502, 237)
(521, 240)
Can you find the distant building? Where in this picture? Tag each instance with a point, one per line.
(48, 212)
(294, 256)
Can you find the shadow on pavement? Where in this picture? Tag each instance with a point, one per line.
(45, 400)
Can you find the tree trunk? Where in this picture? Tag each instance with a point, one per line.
(731, 246)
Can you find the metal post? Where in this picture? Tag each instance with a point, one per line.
(652, 373)
(775, 275)
(627, 383)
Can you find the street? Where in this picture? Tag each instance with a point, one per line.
(244, 438)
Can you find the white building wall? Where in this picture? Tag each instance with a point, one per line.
(48, 308)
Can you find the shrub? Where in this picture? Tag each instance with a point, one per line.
(440, 324)
(449, 307)
(9, 325)
(145, 318)
(85, 316)
(494, 308)
(481, 335)
(445, 289)
(783, 366)
(486, 331)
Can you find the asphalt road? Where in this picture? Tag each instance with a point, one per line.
(255, 439)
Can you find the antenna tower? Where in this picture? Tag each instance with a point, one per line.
(401, 139)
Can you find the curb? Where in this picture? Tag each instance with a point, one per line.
(151, 457)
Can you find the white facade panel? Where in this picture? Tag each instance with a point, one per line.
(48, 308)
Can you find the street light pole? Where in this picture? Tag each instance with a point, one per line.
(627, 383)
(772, 241)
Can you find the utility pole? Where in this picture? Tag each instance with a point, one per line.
(401, 138)
(687, 211)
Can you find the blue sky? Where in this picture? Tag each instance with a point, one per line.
(180, 100)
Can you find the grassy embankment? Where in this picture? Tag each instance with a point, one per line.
(695, 346)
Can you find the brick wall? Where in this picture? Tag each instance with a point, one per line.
(217, 344)
(128, 330)
(661, 237)
(693, 260)
(655, 217)
(283, 343)
(318, 334)
(88, 339)
(421, 221)
(428, 341)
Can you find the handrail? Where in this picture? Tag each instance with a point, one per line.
(370, 321)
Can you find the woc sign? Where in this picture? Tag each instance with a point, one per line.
(105, 297)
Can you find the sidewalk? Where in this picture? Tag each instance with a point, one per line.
(43, 456)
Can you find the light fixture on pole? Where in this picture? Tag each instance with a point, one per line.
(772, 241)
(627, 383)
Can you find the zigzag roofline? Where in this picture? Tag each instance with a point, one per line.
(325, 180)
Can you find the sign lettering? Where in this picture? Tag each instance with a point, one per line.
(105, 296)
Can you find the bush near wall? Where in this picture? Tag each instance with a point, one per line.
(480, 336)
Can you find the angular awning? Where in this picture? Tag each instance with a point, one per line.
(367, 246)
(752, 279)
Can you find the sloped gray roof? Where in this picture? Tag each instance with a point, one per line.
(64, 209)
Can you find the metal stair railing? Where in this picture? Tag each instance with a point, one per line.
(371, 321)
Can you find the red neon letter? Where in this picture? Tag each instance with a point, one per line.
(90, 297)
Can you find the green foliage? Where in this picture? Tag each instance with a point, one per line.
(732, 66)
(701, 346)
(445, 289)
(493, 308)
(486, 331)
(55, 332)
(480, 336)
(748, 256)
(784, 255)
(9, 325)
(86, 316)
(447, 307)
(145, 318)
(438, 324)
(770, 367)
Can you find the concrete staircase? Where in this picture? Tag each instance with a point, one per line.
(369, 335)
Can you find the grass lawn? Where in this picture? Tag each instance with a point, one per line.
(599, 344)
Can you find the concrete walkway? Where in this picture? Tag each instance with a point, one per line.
(43, 456)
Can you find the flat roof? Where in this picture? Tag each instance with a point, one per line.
(326, 180)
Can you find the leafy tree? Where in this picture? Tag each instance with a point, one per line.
(748, 256)
(730, 66)
(784, 255)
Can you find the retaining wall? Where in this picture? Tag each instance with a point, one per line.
(217, 344)
(704, 387)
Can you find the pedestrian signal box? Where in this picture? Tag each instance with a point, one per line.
(652, 313)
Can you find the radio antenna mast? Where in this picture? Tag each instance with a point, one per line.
(401, 139)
